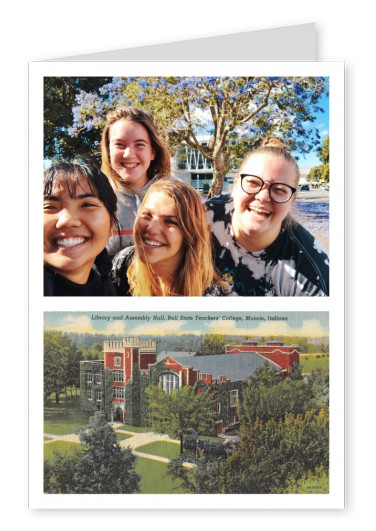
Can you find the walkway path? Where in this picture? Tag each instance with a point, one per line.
(133, 442)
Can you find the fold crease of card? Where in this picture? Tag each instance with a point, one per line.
(290, 43)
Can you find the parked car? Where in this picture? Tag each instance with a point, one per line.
(304, 188)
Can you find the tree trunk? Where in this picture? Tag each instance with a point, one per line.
(220, 167)
(57, 397)
(181, 444)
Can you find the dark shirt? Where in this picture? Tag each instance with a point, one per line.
(57, 285)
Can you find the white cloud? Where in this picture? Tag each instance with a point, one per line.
(311, 328)
(161, 328)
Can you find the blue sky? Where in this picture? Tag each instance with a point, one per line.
(313, 324)
(322, 123)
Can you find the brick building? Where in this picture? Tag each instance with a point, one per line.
(275, 351)
(117, 383)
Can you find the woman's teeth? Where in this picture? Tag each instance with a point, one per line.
(153, 244)
(69, 242)
(260, 211)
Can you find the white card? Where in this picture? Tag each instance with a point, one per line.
(231, 55)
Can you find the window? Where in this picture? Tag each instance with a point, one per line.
(169, 381)
(234, 397)
(98, 378)
(89, 393)
(89, 377)
(118, 392)
(98, 395)
(217, 408)
(118, 376)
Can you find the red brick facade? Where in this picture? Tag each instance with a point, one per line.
(275, 351)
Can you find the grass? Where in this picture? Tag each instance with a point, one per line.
(122, 436)
(61, 447)
(65, 417)
(161, 449)
(310, 362)
(154, 479)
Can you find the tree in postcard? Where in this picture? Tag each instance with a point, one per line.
(275, 453)
(234, 113)
(61, 363)
(178, 412)
(106, 468)
(212, 344)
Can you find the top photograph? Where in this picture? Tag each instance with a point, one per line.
(186, 186)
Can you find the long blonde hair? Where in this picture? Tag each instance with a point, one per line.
(160, 167)
(196, 272)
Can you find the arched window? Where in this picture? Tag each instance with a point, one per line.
(169, 381)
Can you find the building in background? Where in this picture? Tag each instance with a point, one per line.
(117, 383)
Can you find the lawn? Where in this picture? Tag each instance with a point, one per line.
(61, 447)
(121, 436)
(153, 478)
(65, 417)
(310, 362)
(161, 448)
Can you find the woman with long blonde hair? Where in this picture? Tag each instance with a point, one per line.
(172, 255)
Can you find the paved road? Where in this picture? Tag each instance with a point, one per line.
(316, 196)
(311, 209)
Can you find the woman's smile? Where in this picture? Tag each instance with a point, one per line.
(131, 152)
(257, 219)
(160, 242)
(76, 230)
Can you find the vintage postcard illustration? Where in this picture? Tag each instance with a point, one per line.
(177, 403)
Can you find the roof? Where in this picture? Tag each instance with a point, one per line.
(172, 354)
(234, 367)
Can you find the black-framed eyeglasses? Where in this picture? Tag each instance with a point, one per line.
(278, 192)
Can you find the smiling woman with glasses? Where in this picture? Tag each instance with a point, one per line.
(259, 248)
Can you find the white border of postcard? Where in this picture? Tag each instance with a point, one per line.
(334, 303)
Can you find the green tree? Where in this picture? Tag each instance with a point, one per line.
(59, 473)
(59, 97)
(61, 363)
(273, 454)
(270, 396)
(208, 476)
(106, 468)
(236, 112)
(321, 172)
(177, 412)
(212, 344)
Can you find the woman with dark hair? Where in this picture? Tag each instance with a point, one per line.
(79, 209)
(172, 255)
(134, 157)
(260, 249)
